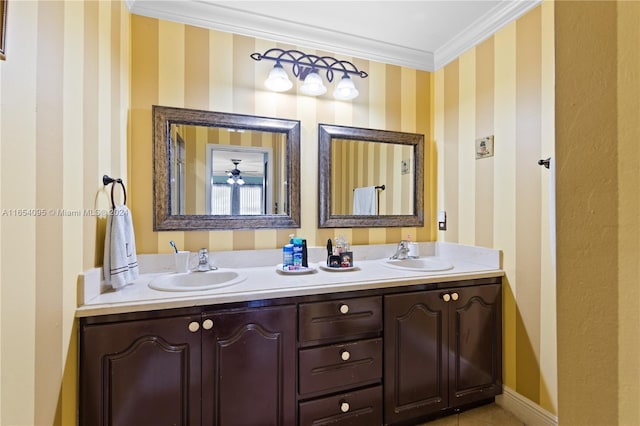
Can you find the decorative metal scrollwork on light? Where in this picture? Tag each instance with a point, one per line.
(305, 67)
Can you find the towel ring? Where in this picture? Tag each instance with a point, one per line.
(106, 180)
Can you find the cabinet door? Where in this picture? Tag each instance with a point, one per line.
(415, 366)
(249, 367)
(140, 373)
(475, 336)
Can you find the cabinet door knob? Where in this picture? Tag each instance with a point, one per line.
(207, 324)
(344, 308)
(454, 296)
(446, 297)
(345, 355)
(344, 406)
(194, 326)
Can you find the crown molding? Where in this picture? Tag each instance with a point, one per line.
(482, 29)
(227, 19)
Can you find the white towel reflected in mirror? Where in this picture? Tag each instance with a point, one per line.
(365, 201)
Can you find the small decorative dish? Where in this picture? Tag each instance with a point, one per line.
(338, 269)
(301, 270)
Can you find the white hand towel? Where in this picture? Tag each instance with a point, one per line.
(120, 261)
(365, 201)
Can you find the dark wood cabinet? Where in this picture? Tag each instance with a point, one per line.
(249, 367)
(340, 362)
(144, 372)
(220, 368)
(373, 357)
(442, 350)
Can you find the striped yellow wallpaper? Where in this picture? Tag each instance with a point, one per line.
(64, 88)
(180, 65)
(77, 89)
(504, 87)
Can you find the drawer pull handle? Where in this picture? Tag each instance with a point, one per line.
(207, 324)
(446, 297)
(194, 326)
(345, 355)
(454, 296)
(344, 406)
(344, 309)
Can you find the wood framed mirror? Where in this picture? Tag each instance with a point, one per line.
(370, 178)
(214, 170)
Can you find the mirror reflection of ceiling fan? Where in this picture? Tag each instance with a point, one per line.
(234, 174)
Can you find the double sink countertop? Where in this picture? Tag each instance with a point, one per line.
(264, 281)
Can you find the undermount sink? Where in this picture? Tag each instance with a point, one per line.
(425, 264)
(192, 281)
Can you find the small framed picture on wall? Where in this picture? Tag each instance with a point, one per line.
(484, 147)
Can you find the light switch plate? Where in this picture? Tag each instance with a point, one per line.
(442, 220)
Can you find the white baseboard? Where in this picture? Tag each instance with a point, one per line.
(525, 409)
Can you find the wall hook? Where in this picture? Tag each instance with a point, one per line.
(544, 162)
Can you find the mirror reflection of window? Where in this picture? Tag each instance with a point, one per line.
(239, 181)
(236, 199)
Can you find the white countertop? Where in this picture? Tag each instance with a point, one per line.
(263, 281)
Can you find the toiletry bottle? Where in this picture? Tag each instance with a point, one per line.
(305, 256)
(339, 246)
(297, 253)
(287, 256)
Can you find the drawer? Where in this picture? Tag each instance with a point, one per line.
(339, 320)
(359, 408)
(338, 366)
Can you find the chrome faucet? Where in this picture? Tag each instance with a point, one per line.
(402, 251)
(203, 260)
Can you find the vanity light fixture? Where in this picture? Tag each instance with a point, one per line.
(313, 85)
(278, 80)
(306, 68)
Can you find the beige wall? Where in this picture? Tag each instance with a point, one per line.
(597, 108)
(504, 87)
(64, 100)
(628, 174)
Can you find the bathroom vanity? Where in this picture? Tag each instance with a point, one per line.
(370, 346)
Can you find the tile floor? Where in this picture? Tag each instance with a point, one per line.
(487, 415)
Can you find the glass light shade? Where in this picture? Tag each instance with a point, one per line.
(235, 179)
(278, 80)
(313, 85)
(345, 90)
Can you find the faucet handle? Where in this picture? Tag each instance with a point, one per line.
(203, 260)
